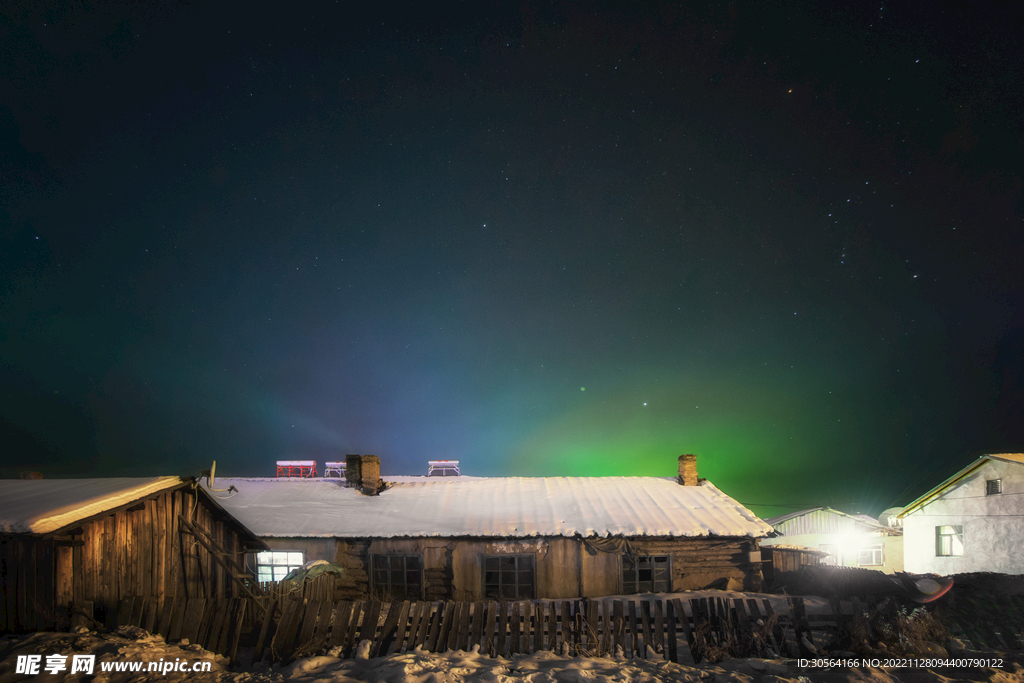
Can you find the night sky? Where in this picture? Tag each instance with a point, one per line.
(540, 239)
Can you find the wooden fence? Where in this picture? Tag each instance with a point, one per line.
(217, 625)
(667, 628)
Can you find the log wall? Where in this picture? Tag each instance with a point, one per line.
(564, 567)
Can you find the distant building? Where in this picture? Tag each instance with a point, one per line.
(471, 538)
(972, 522)
(849, 540)
(91, 542)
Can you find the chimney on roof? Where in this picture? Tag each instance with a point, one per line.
(370, 468)
(353, 472)
(688, 470)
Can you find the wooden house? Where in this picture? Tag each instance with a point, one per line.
(472, 538)
(91, 542)
(971, 522)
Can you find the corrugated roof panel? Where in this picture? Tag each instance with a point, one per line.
(503, 507)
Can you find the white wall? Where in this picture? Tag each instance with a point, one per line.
(993, 525)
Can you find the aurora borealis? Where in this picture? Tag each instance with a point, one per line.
(541, 240)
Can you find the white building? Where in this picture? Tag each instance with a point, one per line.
(972, 522)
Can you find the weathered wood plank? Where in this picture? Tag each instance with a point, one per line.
(488, 646)
(500, 635)
(124, 611)
(350, 642)
(618, 628)
(570, 636)
(700, 630)
(264, 628)
(659, 628)
(177, 619)
(368, 629)
(435, 627)
(446, 626)
(284, 637)
(195, 611)
(515, 643)
(236, 628)
(539, 623)
(632, 632)
(323, 623)
(552, 639)
(670, 620)
(425, 623)
(462, 643)
(339, 623)
(478, 624)
(387, 631)
(645, 617)
(402, 628)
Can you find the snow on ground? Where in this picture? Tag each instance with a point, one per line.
(131, 644)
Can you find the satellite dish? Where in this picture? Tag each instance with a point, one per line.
(211, 477)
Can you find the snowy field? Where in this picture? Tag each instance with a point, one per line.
(132, 645)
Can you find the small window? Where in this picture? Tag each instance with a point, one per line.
(646, 574)
(993, 487)
(949, 541)
(274, 565)
(397, 577)
(870, 556)
(508, 577)
(832, 559)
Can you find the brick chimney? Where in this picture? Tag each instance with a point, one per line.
(353, 472)
(688, 470)
(370, 467)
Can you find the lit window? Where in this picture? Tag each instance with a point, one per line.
(274, 565)
(993, 487)
(508, 577)
(870, 556)
(397, 577)
(646, 574)
(949, 541)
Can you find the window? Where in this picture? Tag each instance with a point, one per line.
(274, 565)
(949, 541)
(832, 559)
(870, 555)
(993, 487)
(397, 577)
(646, 574)
(508, 577)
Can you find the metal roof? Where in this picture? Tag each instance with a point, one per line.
(822, 520)
(488, 507)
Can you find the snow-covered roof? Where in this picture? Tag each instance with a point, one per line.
(41, 506)
(488, 507)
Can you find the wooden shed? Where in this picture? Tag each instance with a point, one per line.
(505, 538)
(81, 541)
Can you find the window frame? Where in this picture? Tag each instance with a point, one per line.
(627, 589)
(389, 572)
(288, 565)
(876, 550)
(518, 559)
(832, 559)
(956, 534)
